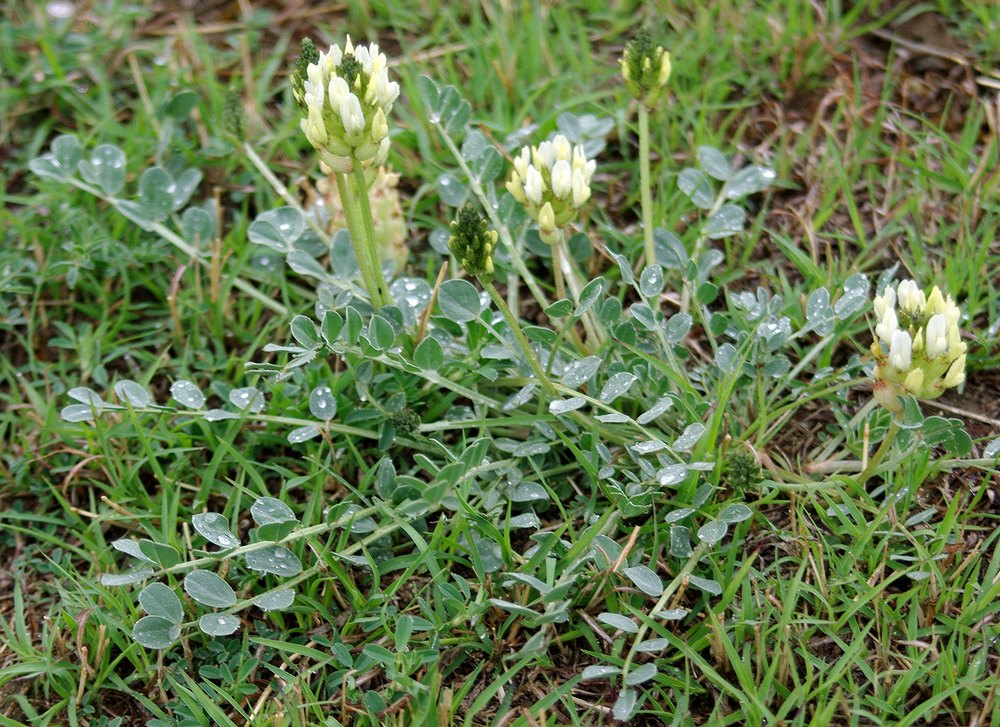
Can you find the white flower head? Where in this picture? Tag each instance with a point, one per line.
(347, 92)
(555, 173)
(561, 147)
(533, 185)
(887, 325)
(919, 350)
(885, 301)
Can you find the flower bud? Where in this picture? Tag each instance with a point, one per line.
(473, 243)
(645, 68)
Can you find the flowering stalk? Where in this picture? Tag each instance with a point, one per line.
(345, 96)
(473, 243)
(645, 70)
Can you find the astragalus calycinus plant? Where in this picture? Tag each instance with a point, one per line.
(437, 421)
(346, 96)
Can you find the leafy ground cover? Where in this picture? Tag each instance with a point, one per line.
(232, 492)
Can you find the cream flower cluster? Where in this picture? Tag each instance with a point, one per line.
(552, 181)
(918, 346)
(346, 96)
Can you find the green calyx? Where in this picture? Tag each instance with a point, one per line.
(473, 243)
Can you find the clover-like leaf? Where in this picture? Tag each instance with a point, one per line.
(105, 168)
(219, 624)
(277, 229)
(155, 632)
(158, 599)
(209, 589)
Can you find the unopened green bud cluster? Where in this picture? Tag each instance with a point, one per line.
(345, 97)
(473, 243)
(645, 68)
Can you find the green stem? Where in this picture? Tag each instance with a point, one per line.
(644, 185)
(880, 453)
(557, 272)
(374, 254)
(519, 335)
(361, 241)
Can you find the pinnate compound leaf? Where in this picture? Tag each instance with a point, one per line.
(131, 547)
(61, 162)
(714, 162)
(156, 193)
(459, 300)
(247, 399)
(645, 579)
(749, 180)
(322, 403)
(303, 434)
(727, 220)
(75, 413)
(625, 706)
(197, 226)
(187, 394)
(267, 510)
(277, 229)
(640, 674)
(428, 354)
(707, 585)
(696, 186)
(617, 385)
(712, 532)
(599, 671)
(735, 513)
(617, 621)
(133, 394)
(138, 575)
